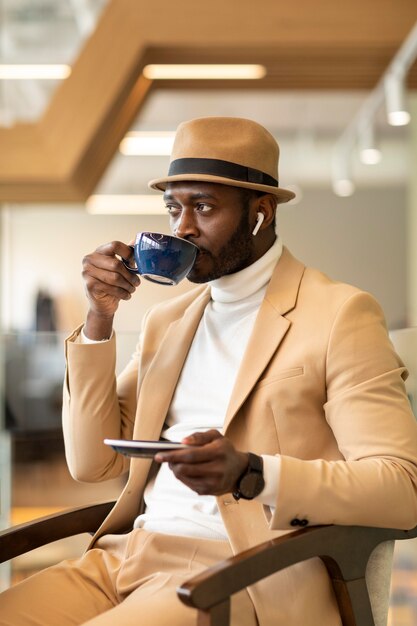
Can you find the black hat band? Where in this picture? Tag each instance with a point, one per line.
(225, 169)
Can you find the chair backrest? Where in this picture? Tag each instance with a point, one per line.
(405, 343)
(378, 581)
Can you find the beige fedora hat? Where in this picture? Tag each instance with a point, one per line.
(226, 150)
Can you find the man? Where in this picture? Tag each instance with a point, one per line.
(265, 357)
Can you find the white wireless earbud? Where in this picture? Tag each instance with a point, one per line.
(259, 221)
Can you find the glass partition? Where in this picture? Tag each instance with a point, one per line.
(405, 343)
(5, 471)
(35, 480)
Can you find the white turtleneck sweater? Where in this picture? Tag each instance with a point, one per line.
(202, 396)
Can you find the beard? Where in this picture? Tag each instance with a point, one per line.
(234, 256)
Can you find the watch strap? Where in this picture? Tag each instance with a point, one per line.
(255, 466)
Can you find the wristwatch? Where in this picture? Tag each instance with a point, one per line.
(251, 483)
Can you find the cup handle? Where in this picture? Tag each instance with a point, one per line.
(125, 262)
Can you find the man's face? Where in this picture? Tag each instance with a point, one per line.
(216, 219)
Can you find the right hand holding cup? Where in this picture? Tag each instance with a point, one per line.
(106, 279)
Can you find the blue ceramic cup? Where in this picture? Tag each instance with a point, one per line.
(162, 259)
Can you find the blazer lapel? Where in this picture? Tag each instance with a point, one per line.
(159, 382)
(269, 329)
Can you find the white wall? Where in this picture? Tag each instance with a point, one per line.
(44, 247)
(360, 240)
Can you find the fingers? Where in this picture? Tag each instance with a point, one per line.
(201, 439)
(210, 466)
(107, 281)
(105, 259)
(115, 248)
(197, 454)
(204, 447)
(110, 280)
(105, 274)
(204, 479)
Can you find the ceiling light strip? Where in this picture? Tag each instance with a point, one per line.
(34, 72)
(204, 72)
(156, 143)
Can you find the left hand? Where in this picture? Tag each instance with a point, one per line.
(212, 466)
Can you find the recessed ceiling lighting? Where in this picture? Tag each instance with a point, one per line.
(369, 152)
(370, 156)
(395, 100)
(34, 72)
(343, 187)
(342, 182)
(126, 204)
(147, 143)
(399, 118)
(204, 72)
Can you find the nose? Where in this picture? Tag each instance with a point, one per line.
(185, 226)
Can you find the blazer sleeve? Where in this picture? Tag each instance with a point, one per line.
(96, 406)
(369, 413)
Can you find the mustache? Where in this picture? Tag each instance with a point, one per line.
(201, 249)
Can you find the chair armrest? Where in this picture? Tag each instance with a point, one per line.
(25, 537)
(344, 550)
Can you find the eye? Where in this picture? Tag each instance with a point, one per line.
(204, 208)
(173, 210)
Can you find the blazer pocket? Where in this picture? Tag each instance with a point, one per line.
(282, 375)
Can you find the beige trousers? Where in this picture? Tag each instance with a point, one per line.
(129, 580)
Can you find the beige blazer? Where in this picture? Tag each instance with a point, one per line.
(320, 384)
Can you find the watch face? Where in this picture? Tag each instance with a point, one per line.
(251, 484)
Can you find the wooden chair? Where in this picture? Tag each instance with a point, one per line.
(344, 550)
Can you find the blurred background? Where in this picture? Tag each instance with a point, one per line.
(91, 92)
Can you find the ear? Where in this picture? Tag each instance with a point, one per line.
(267, 205)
